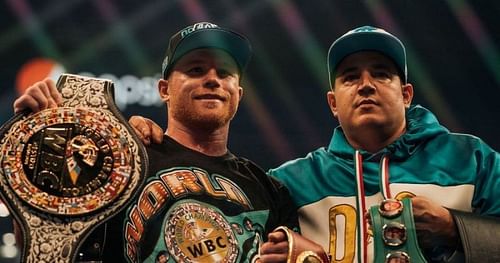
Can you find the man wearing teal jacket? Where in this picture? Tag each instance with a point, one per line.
(387, 148)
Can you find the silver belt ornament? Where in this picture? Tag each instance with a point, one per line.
(66, 170)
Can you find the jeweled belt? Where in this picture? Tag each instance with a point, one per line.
(66, 170)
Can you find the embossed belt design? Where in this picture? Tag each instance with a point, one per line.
(65, 170)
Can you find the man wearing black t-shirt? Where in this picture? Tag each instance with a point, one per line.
(200, 203)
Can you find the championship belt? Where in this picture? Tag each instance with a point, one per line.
(394, 232)
(66, 170)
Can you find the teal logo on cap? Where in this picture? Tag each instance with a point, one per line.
(202, 25)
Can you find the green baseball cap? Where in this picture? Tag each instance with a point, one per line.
(368, 38)
(206, 35)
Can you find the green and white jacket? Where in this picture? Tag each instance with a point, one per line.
(458, 171)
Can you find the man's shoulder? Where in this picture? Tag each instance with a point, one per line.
(461, 139)
(448, 144)
(295, 166)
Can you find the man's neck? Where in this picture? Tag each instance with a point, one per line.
(373, 139)
(211, 143)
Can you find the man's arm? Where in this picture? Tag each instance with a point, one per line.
(44, 94)
(434, 224)
(459, 236)
(479, 236)
(283, 244)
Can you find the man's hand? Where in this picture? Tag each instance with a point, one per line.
(39, 96)
(146, 129)
(275, 249)
(434, 224)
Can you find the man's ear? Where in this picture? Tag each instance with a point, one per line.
(407, 90)
(240, 91)
(332, 102)
(163, 90)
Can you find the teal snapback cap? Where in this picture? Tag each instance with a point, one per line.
(206, 35)
(368, 38)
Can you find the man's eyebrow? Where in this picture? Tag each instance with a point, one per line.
(382, 66)
(193, 61)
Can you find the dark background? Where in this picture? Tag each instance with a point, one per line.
(453, 58)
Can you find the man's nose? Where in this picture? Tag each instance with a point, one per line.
(211, 79)
(366, 85)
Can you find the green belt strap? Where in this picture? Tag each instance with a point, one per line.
(388, 248)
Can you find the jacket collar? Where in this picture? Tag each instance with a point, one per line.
(421, 125)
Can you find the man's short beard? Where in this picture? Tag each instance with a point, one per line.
(201, 122)
(211, 123)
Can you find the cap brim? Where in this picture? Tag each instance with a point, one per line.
(234, 44)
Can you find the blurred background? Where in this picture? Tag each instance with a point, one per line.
(453, 51)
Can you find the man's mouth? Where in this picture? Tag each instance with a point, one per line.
(209, 97)
(367, 102)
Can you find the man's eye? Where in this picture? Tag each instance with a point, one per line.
(223, 73)
(382, 74)
(350, 78)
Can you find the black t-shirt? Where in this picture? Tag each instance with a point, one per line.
(195, 207)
